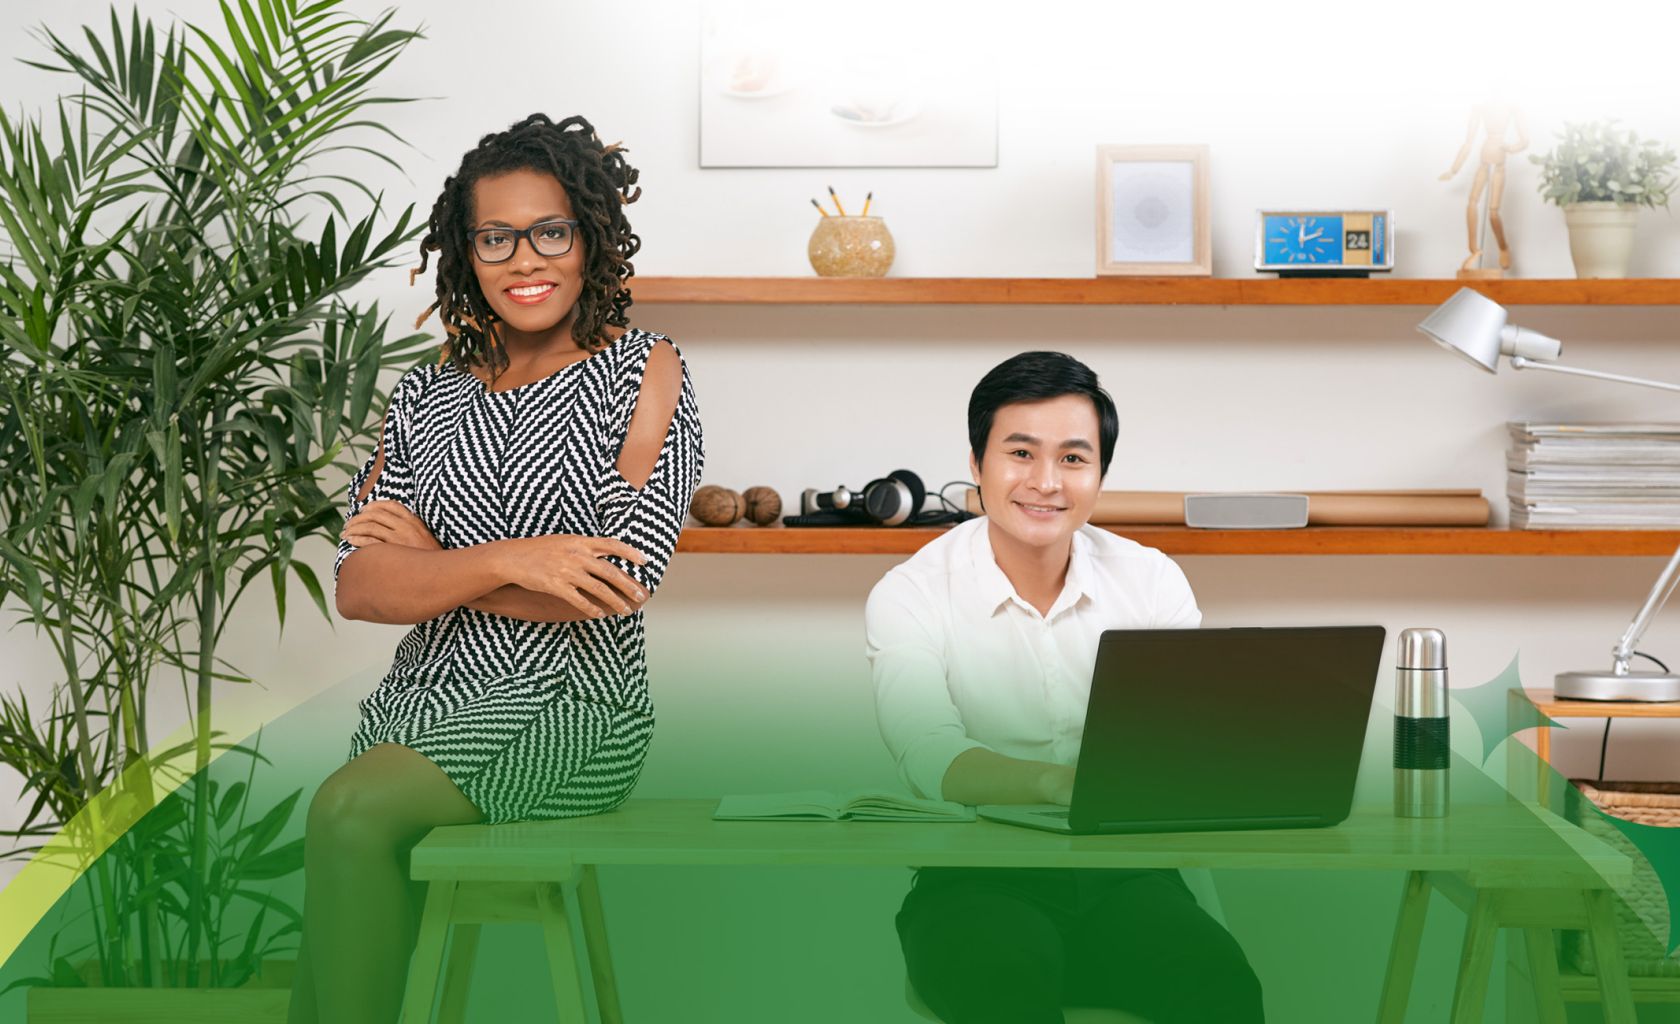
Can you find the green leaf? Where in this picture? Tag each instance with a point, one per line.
(258, 835)
(277, 573)
(268, 900)
(276, 863)
(329, 247)
(81, 506)
(313, 585)
(164, 385)
(172, 479)
(25, 571)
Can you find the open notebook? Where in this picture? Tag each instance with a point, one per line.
(818, 805)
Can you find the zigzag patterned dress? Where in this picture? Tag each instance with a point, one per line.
(531, 720)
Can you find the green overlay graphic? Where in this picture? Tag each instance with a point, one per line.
(760, 921)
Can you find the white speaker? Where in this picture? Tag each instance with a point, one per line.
(1245, 511)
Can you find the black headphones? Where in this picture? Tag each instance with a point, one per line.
(891, 500)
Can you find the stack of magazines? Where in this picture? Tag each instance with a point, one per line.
(1594, 476)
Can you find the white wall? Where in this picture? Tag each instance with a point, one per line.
(1210, 398)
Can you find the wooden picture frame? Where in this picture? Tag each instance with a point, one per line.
(1152, 211)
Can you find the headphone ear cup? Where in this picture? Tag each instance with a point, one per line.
(881, 501)
(894, 499)
(885, 502)
(918, 493)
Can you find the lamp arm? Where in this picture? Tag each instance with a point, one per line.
(1523, 363)
(1653, 603)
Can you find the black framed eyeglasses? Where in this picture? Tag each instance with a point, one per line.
(547, 238)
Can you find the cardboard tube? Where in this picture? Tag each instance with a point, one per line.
(1324, 508)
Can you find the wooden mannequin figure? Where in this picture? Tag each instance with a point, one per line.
(1494, 119)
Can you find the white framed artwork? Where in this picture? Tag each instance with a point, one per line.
(870, 84)
(1152, 211)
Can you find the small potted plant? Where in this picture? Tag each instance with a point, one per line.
(1601, 175)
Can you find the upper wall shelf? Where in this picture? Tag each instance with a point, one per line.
(1145, 291)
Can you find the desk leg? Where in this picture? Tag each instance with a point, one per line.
(1403, 952)
(428, 953)
(562, 957)
(595, 942)
(1543, 971)
(457, 975)
(1470, 993)
(1543, 752)
(1607, 950)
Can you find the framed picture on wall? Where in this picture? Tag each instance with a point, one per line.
(1152, 211)
(876, 83)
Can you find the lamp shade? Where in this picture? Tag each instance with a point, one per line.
(1469, 324)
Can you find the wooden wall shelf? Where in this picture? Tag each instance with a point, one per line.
(1179, 540)
(1145, 291)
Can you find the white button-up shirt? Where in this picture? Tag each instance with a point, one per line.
(961, 661)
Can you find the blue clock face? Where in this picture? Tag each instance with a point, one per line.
(1303, 240)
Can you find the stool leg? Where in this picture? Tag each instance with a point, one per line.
(562, 958)
(1403, 952)
(1470, 993)
(457, 974)
(595, 943)
(1542, 966)
(1607, 950)
(428, 953)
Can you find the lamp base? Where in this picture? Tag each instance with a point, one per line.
(1638, 687)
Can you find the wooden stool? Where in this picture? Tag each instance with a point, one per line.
(1072, 1014)
(467, 906)
(1536, 912)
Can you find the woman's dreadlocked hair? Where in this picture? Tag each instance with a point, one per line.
(598, 181)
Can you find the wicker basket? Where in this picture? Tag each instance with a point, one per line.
(1642, 912)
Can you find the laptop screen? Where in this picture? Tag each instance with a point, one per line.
(1203, 725)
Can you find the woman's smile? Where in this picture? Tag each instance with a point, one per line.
(531, 293)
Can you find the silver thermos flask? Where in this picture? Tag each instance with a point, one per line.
(1421, 736)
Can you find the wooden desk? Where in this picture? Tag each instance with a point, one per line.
(1507, 863)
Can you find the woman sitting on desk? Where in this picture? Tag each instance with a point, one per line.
(522, 505)
(982, 646)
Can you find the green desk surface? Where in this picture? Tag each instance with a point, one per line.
(1496, 844)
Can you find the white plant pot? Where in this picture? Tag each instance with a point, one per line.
(1601, 237)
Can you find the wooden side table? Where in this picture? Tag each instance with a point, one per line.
(1552, 707)
(1576, 987)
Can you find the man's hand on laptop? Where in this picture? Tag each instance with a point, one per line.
(982, 776)
(1055, 784)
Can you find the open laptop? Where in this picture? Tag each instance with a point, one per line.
(1193, 730)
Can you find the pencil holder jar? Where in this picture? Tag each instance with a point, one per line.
(851, 247)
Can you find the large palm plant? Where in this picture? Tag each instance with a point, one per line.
(183, 365)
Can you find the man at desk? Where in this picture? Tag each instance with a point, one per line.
(981, 647)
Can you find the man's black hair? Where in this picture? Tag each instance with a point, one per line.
(1035, 377)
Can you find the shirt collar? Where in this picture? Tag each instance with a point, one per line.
(1079, 584)
(993, 589)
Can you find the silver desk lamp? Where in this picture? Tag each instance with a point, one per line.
(1474, 326)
